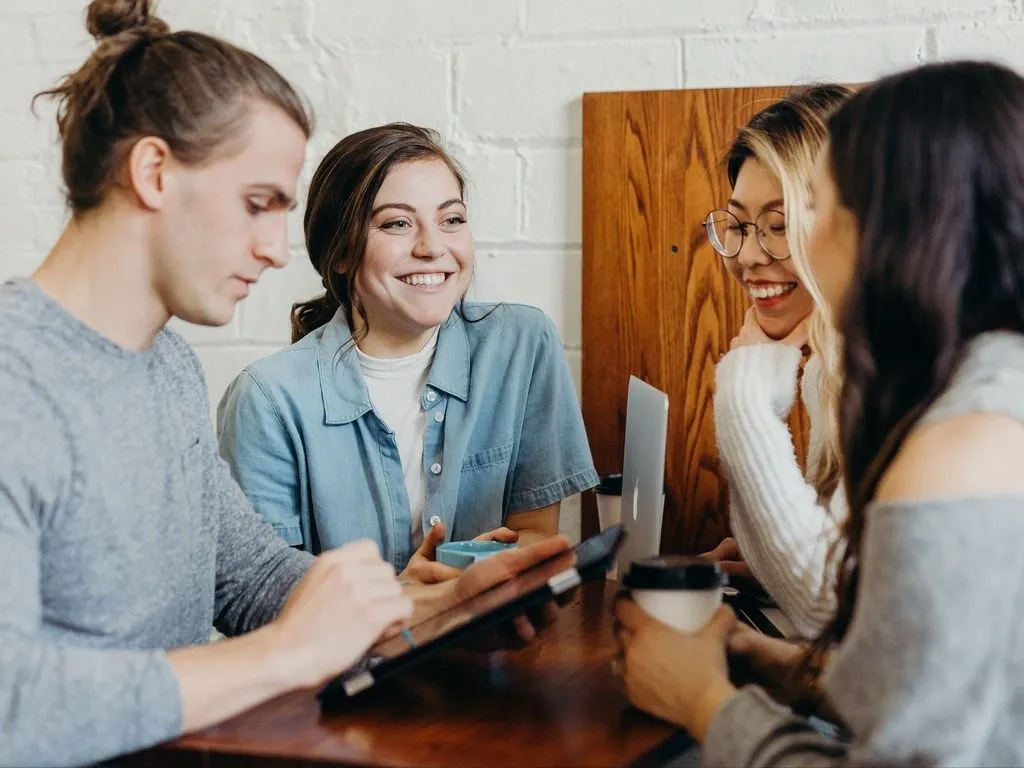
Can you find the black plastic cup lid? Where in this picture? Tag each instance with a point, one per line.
(675, 572)
(610, 485)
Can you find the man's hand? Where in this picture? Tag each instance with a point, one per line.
(344, 603)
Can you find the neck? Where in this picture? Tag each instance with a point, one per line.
(384, 342)
(99, 271)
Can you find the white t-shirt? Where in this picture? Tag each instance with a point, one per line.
(395, 386)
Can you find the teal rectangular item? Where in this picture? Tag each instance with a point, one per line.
(462, 554)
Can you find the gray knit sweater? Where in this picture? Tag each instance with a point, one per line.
(122, 534)
(932, 669)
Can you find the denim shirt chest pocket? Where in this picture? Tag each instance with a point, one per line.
(482, 490)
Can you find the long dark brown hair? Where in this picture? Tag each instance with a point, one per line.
(338, 209)
(931, 164)
(192, 90)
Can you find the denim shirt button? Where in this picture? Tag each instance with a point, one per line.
(431, 395)
(435, 468)
(439, 417)
(434, 520)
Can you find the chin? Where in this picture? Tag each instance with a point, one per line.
(430, 317)
(426, 323)
(212, 317)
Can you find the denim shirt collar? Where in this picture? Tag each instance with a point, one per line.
(343, 388)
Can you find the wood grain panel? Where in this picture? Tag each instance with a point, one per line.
(657, 302)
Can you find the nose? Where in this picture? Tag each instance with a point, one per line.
(272, 245)
(750, 254)
(428, 245)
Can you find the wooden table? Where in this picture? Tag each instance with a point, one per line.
(554, 703)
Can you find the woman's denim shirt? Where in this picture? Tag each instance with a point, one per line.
(504, 434)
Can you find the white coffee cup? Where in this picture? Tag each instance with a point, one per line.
(683, 592)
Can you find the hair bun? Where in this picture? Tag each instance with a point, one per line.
(107, 18)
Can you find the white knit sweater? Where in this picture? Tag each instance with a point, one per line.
(782, 530)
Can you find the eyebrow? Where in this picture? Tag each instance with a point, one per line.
(770, 205)
(281, 198)
(410, 209)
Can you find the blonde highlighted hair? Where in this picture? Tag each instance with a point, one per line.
(786, 138)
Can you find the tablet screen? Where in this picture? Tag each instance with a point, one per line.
(530, 588)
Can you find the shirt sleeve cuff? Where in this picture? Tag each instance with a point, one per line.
(159, 702)
(290, 532)
(546, 495)
(742, 728)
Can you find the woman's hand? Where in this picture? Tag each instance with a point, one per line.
(423, 566)
(503, 534)
(729, 558)
(431, 599)
(751, 333)
(768, 653)
(681, 678)
(770, 662)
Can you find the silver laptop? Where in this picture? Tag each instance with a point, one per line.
(643, 473)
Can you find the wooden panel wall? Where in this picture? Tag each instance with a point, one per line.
(657, 302)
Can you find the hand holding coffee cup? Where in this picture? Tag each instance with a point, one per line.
(682, 592)
(680, 676)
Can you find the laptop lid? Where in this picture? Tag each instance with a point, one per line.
(643, 472)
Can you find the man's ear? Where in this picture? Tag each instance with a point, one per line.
(147, 169)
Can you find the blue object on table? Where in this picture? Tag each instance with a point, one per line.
(462, 554)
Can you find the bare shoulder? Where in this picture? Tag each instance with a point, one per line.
(974, 454)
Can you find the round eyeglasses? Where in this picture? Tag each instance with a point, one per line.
(726, 233)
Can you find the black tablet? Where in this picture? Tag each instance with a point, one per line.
(527, 590)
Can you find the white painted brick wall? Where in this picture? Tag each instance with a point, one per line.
(502, 81)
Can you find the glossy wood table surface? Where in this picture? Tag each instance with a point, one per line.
(554, 703)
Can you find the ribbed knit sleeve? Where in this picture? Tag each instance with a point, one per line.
(782, 530)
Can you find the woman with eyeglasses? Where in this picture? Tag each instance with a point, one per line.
(784, 520)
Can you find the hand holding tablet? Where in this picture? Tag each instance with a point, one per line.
(490, 593)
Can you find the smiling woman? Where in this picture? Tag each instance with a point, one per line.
(784, 518)
(402, 412)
